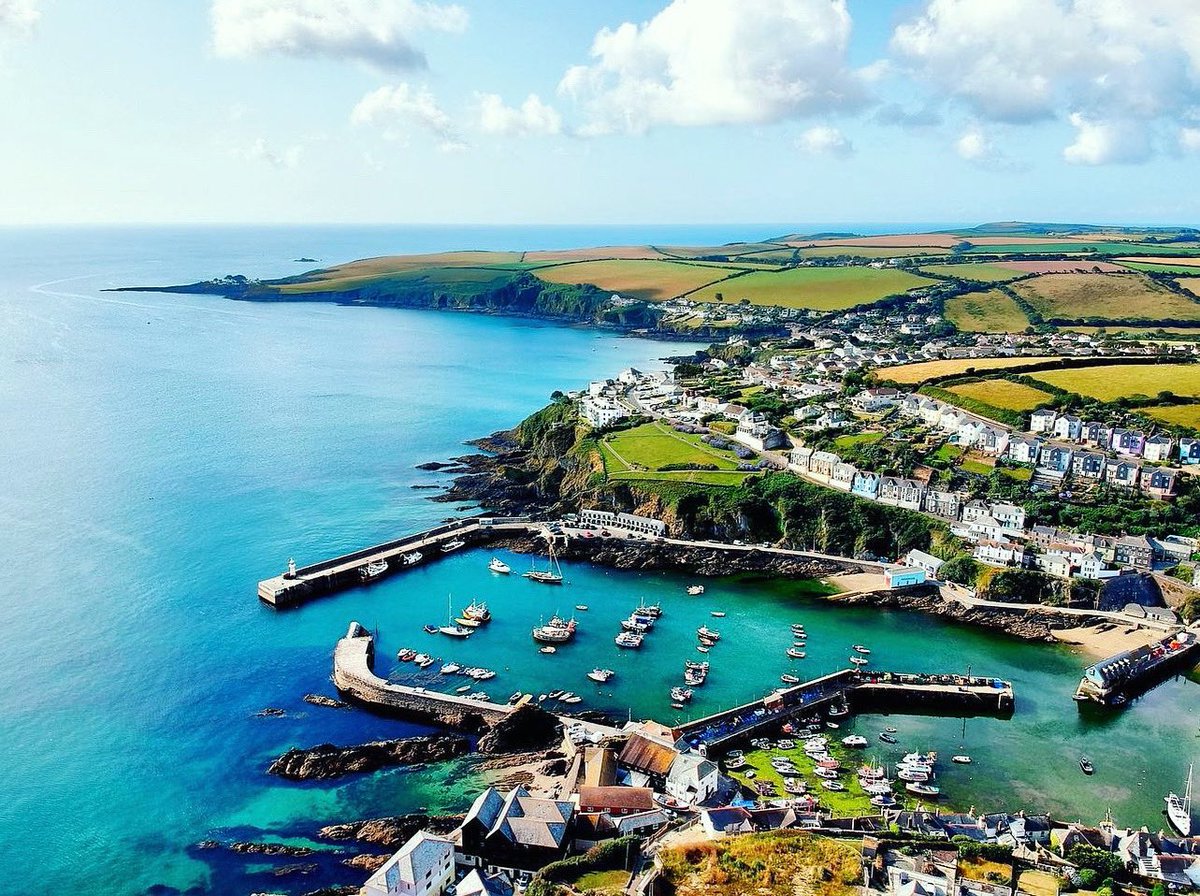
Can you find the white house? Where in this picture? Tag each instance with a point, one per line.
(921, 560)
(424, 866)
(599, 412)
(1042, 420)
(1068, 427)
(692, 779)
(997, 553)
(1054, 565)
(1010, 516)
(1024, 450)
(1158, 448)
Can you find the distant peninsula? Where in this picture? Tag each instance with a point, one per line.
(750, 288)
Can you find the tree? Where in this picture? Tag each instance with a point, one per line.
(962, 569)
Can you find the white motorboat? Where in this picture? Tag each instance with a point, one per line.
(602, 676)
(789, 679)
(499, 566)
(695, 589)
(681, 695)
(629, 639)
(961, 759)
(854, 740)
(373, 570)
(708, 634)
(451, 546)
(1179, 808)
(547, 649)
(859, 660)
(450, 668)
(830, 784)
(412, 558)
(569, 697)
(858, 648)
(796, 654)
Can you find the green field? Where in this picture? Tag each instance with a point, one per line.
(979, 273)
(602, 881)
(1114, 381)
(456, 276)
(1104, 296)
(986, 312)
(907, 374)
(641, 453)
(1176, 414)
(654, 281)
(823, 289)
(1153, 268)
(1079, 246)
(871, 251)
(1002, 394)
(860, 438)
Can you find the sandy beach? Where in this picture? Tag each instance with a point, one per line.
(1096, 643)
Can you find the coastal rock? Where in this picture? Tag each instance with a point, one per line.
(271, 712)
(271, 849)
(528, 728)
(390, 832)
(335, 890)
(329, 761)
(322, 700)
(298, 868)
(436, 465)
(367, 862)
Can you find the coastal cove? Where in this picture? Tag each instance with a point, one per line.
(200, 442)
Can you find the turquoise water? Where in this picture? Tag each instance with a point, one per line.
(163, 453)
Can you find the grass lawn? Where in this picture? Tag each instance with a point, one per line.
(823, 289)
(979, 467)
(979, 272)
(350, 278)
(948, 453)
(653, 280)
(1118, 380)
(979, 869)
(1177, 414)
(858, 438)
(907, 374)
(652, 446)
(1105, 296)
(986, 312)
(1018, 474)
(699, 477)
(603, 881)
(1038, 883)
(1002, 394)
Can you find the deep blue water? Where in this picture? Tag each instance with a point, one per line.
(163, 453)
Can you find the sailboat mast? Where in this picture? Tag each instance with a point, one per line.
(1187, 793)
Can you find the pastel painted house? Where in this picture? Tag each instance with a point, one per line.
(843, 476)
(1068, 427)
(1159, 483)
(1189, 451)
(1096, 434)
(866, 485)
(1055, 461)
(899, 492)
(1089, 465)
(992, 441)
(943, 503)
(1123, 473)
(1127, 441)
(1024, 450)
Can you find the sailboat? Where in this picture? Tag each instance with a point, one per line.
(550, 576)
(1179, 808)
(454, 631)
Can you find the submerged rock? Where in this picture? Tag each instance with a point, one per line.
(270, 849)
(390, 832)
(329, 761)
(322, 700)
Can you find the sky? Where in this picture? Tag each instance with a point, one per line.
(574, 112)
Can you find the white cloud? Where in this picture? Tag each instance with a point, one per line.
(261, 151)
(973, 145)
(706, 62)
(393, 107)
(18, 15)
(1102, 142)
(376, 31)
(532, 118)
(826, 141)
(1189, 139)
(1112, 63)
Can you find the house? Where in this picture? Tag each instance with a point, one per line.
(974, 510)
(997, 553)
(1089, 465)
(423, 866)
(1042, 420)
(1134, 550)
(940, 503)
(476, 884)
(600, 412)
(799, 458)
(1091, 566)
(755, 430)
(1159, 483)
(875, 399)
(615, 800)
(903, 576)
(1096, 434)
(515, 830)
(901, 492)
(822, 463)
(968, 432)
(1009, 516)
(692, 779)
(987, 526)
(1055, 461)
(1127, 441)
(647, 760)
(1123, 473)
(843, 476)
(725, 821)
(1023, 450)
(922, 560)
(1189, 451)
(1053, 565)
(1068, 427)
(733, 411)
(1158, 448)
(865, 485)
(992, 441)
(706, 405)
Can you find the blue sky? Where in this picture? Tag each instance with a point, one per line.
(581, 112)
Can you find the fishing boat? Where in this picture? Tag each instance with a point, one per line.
(708, 634)
(694, 674)
(499, 566)
(719, 614)
(887, 738)
(859, 661)
(681, 695)
(463, 689)
(629, 639)
(1179, 808)
(451, 546)
(551, 575)
(467, 622)
(654, 611)
(478, 611)
(547, 649)
(962, 759)
(854, 740)
(789, 679)
(695, 590)
(450, 669)
(412, 558)
(373, 570)
(703, 648)
(920, 788)
(890, 730)
(858, 648)
(601, 675)
(1085, 765)
(556, 631)
(836, 712)
(796, 654)
(633, 625)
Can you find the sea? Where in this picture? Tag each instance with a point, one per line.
(162, 453)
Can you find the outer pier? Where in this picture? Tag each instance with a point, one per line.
(1119, 678)
(293, 588)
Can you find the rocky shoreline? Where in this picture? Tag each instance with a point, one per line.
(326, 761)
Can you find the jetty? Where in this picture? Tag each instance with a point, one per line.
(299, 585)
(1117, 679)
(855, 691)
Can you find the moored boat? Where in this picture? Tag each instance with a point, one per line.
(456, 631)
(718, 614)
(695, 589)
(373, 570)
(406, 654)
(887, 738)
(796, 654)
(431, 629)
(412, 558)
(556, 631)
(854, 740)
(499, 566)
(547, 649)
(450, 668)
(961, 759)
(920, 788)
(451, 546)
(1179, 808)
(478, 611)
(601, 675)
(467, 622)
(681, 695)
(859, 660)
(629, 639)
(865, 651)
(654, 611)
(1085, 765)
(708, 634)
(789, 679)
(552, 575)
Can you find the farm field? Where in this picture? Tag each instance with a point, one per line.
(924, 240)
(730, 250)
(907, 374)
(833, 251)
(1149, 267)
(1188, 261)
(1191, 284)
(445, 275)
(980, 272)
(390, 264)
(655, 280)
(1105, 297)
(986, 312)
(1002, 394)
(1051, 266)
(1114, 329)
(1068, 247)
(1114, 381)
(823, 289)
(651, 446)
(557, 256)
(1176, 414)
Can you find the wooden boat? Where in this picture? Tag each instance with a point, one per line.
(796, 654)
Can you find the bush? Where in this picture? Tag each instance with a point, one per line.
(1087, 878)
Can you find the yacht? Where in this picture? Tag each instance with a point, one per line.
(450, 668)
(681, 695)
(452, 546)
(654, 611)
(695, 590)
(922, 789)
(854, 740)
(1179, 808)
(372, 570)
(551, 575)
(499, 566)
(456, 631)
(601, 675)
(629, 639)
(412, 558)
